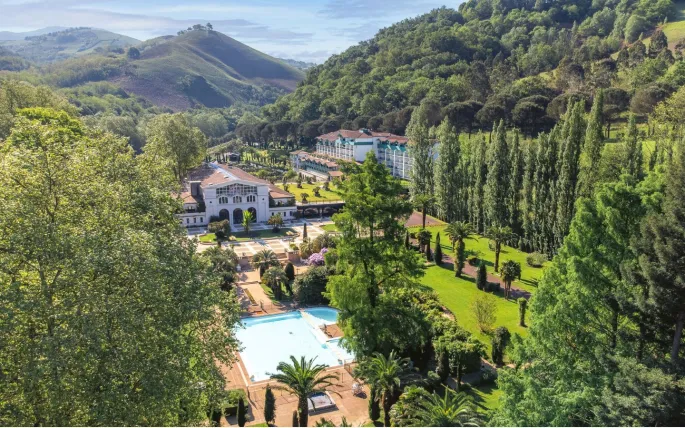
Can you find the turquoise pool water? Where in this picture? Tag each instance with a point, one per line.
(268, 340)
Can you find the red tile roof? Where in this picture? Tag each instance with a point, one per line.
(209, 175)
(346, 133)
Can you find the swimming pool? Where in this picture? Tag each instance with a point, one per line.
(268, 340)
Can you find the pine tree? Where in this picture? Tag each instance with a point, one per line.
(633, 149)
(573, 130)
(448, 184)
(664, 235)
(497, 181)
(478, 171)
(516, 176)
(592, 148)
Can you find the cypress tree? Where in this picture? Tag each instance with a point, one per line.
(437, 254)
(374, 405)
(482, 277)
(523, 305)
(478, 171)
(496, 184)
(460, 257)
(592, 148)
(406, 240)
(516, 176)
(568, 172)
(269, 405)
(304, 232)
(429, 256)
(545, 200)
(290, 271)
(633, 149)
(241, 412)
(448, 185)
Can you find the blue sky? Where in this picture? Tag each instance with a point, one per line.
(305, 30)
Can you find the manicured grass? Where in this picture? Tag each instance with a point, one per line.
(330, 227)
(485, 397)
(270, 294)
(254, 234)
(458, 294)
(325, 195)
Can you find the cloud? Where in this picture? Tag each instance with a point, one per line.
(71, 13)
(373, 9)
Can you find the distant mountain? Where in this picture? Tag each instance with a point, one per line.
(300, 65)
(69, 43)
(10, 35)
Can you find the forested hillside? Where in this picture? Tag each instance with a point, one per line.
(517, 60)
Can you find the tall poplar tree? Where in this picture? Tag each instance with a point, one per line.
(592, 148)
(528, 193)
(516, 177)
(478, 171)
(421, 152)
(573, 133)
(497, 181)
(633, 150)
(448, 181)
(545, 197)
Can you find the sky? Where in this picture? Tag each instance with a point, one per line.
(306, 30)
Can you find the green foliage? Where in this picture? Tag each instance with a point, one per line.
(450, 409)
(511, 270)
(500, 340)
(174, 143)
(485, 311)
(290, 271)
(497, 183)
(437, 254)
(309, 288)
(523, 305)
(536, 260)
(93, 235)
(374, 405)
(221, 229)
(302, 378)
(482, 277)
(242, 412)
(269, 405)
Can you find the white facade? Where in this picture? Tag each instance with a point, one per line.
(216, 191)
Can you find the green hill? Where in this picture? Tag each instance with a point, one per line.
(70, 43)
(207, 68)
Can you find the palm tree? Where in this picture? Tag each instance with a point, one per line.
(451, 410)
(247, 220)
(385, 376)
(424, 237)
(510, 271)
(499, 235)
(223, 262)
(423, 203)
(275, 221)
(304, 196)
(458, 231)
(303, 378)
(274, 277)
(265, 259)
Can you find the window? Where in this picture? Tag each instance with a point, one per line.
(223, 200)
(194, 219)
(187, 221)
(251, 198)
(237, 199)
(202, 219)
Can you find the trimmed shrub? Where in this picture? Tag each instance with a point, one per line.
(290, 271)
(269, 405)
(500, 340)
(523, 305)
(437, 254)
(474, 261)
(482, 277)
(536, 259)
(242, 412)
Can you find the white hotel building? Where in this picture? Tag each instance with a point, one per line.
(391, 150)
(216, 191)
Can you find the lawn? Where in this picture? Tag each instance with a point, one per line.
(330, 227)
(255, 234)
(485, 397)
(325, 195)
(458, 294)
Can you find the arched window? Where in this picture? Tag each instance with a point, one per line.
(237, 199)
(251, 198)
(223, 200)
